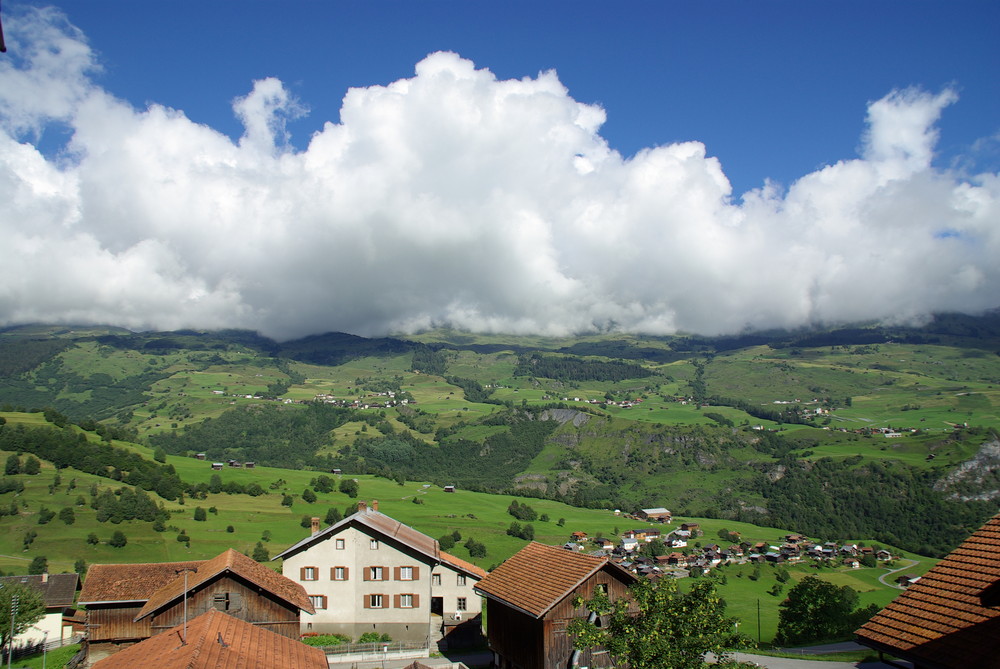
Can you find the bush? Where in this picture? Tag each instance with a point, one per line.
(313, 639)
(118, 539)
(374, 637)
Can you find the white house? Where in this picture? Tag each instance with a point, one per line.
(58, 592)
(371, 573)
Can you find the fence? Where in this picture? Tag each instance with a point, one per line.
(25, 650)
(379, 647)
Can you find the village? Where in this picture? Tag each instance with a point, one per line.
(644, 551)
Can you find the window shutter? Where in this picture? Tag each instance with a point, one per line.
(347, 573)
(333, 573)
(395, 601)
(395, 574)
(367, 601)
(302, 573)
(416, 573)
(385, 601)
(416, 601)
(367, 575)
(385, 573)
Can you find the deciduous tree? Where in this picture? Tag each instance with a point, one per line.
(660, 627)
(30, 609)
(817, 610)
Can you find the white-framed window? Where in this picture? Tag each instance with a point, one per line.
(461, 604)
(373, 544)
(406, 573)
(318, 601)
(375, 601)
(435, 579)
(461, 579)
(375, 573)
(340, 544)
(406, 601)
(339, 573)
(309, 574)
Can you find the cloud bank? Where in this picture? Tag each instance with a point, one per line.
(456, 198)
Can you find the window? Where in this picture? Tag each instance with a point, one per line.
(309, 574)
(340, 544)
(406, 601)
(461, 605)
(375, 601)
(601, 588)
(339, 573)
(318, 601)
(373, 544)
(406, 573)
(375, 573)
(435, 579)
(226, 601)
(461, 579)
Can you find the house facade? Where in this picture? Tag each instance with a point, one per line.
(371, 573)
(58, 592)
(530, 603)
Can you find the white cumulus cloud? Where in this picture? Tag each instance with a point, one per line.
(452, 197)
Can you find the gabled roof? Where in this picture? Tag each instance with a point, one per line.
(57, 590)
(948, 618)
(378, 523)
(119, 583)
(216, 640)
(462, 565)
(538, 577)
(231, 562)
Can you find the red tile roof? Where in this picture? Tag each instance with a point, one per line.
(462, 565)
(948, 618)
(129, 582)
(538, 577)
(235, 563)
(217, 641)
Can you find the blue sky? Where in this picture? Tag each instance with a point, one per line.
(201, 164)
(774, 89)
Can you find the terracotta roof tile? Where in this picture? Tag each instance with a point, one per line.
(459, 563)
(941, 620)
(217, 641)
(236, 563)
(58, 590)
(538, 577)
(129, 582)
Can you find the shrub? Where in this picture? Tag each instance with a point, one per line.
(313, 639)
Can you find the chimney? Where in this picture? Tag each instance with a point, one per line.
(45, 577)
(374, 505)
(362, 506)
(315, 525)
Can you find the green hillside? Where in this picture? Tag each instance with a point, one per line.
(867, 431)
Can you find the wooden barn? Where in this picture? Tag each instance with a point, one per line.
(529, 604)
(213, 640)
(127, 603)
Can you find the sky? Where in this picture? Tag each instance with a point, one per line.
(550, 168)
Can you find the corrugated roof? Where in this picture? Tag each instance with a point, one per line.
(217, 641)
(949, 617)
(129, 582)
(538, 577)
(58, 590)
(377, 522)
(236, 563)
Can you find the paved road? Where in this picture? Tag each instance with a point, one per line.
(790, 663)
(881, 579)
